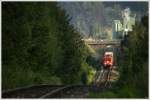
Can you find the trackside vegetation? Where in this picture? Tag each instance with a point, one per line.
(133, 65)
(39, 46)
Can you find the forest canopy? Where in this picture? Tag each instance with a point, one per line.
(39, 46)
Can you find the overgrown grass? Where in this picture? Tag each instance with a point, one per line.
(23, 77)
(124, 92)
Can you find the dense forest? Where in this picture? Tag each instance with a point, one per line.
(94, 19)
(39, 46)
(135, 61)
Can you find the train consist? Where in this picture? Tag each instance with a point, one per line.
(108, 58)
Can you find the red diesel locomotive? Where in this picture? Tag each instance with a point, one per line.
(108, 60)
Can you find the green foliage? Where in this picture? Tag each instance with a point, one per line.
(127, 92)
(106, 94)
(124, 92)
(90, 72)
(39, 46)
(134, 65)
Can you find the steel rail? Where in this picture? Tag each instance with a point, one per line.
(108, 76)
(55, 91)
(104, 76)
(23, 88)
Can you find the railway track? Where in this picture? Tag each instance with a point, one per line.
(102, 81)
(29, 91)
(77, 91)
(105, 77)
(47, 91)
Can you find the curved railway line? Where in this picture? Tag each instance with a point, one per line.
(46, 91)
(29, 92)
(102, 81)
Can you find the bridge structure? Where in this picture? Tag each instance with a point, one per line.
(102, 43)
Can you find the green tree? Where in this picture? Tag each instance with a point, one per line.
(134, 72)
(39, 45)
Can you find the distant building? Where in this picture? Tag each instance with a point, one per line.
(128, 20)
(121, 28)
(116, 29)
(118, 25)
